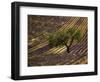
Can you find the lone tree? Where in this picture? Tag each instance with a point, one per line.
(64, 38)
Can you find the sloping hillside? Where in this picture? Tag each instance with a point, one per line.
(39, 51)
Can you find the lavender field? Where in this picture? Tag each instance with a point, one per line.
(40, 51)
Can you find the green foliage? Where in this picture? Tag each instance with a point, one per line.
(65, 37)
(77, 36)
(71, 31)
(57, 38)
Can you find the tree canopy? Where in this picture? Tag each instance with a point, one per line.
(64, 38)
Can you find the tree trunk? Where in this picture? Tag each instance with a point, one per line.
(68, 49)
(71, 42)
